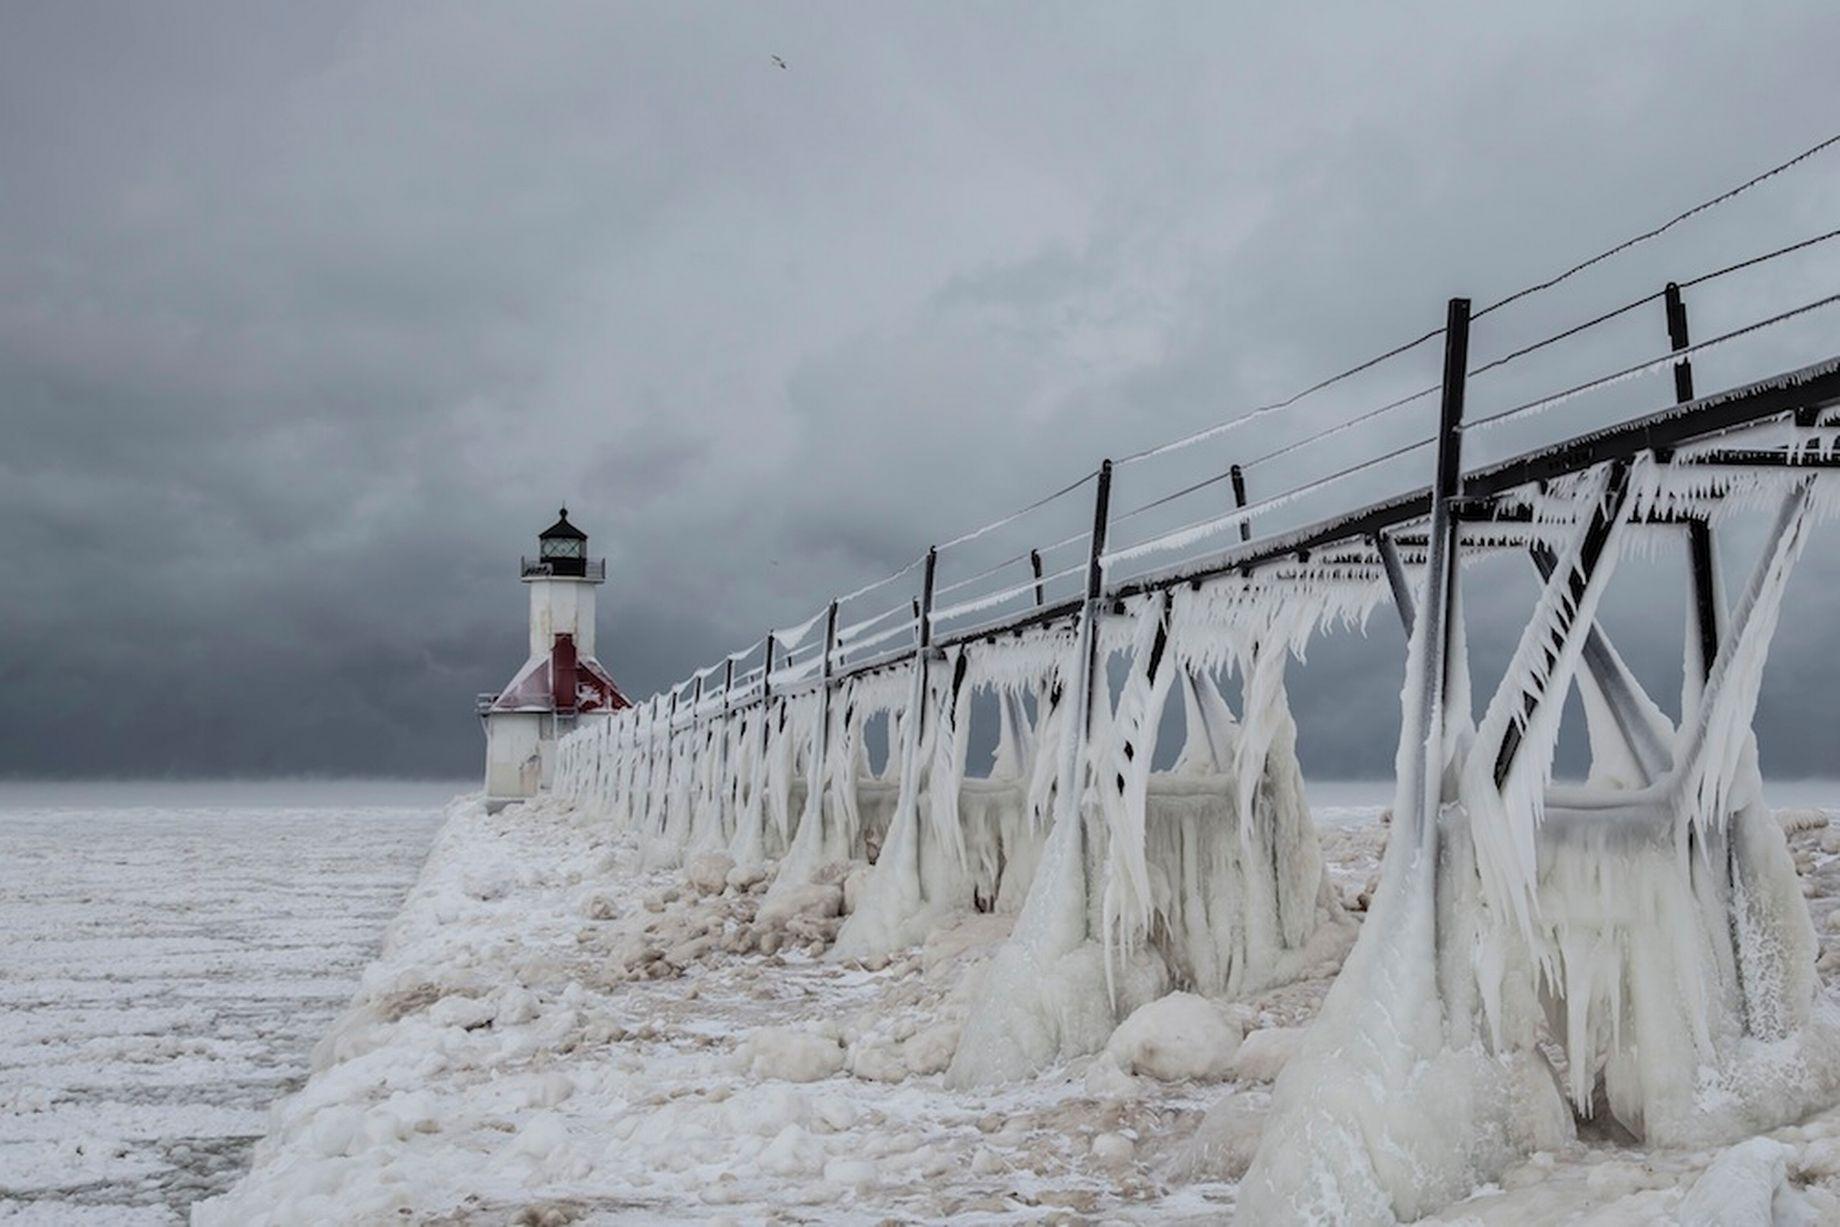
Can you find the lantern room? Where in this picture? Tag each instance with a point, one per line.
(562, 550)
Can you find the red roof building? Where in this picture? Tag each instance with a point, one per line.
(560, 683)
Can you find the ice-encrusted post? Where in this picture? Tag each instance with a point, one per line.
(734, 750)
(925, 612)
(1705, 574)
(668, 835)
(814, 782)
(1080, 727)
(1426, 762)
(819, 838)
(1237, 476)
(916, 708)
(1677, 341)
(1078, 739)
(699, 755)
(766, 695)
(1703, 644)
(698, 745)
(766, 669)
(672, 750)
(897, 896)
(1042, 995)
(654, 791)
(826, 672)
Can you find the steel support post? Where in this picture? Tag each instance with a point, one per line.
(1079, 724)
(1238, 477)
(824, 696)
(909, 794)
(1424, 725)
(1700, 555)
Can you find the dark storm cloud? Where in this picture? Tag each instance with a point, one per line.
(311, 315)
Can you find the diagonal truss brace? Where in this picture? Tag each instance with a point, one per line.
(1603, 518)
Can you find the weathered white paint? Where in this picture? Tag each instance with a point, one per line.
(561, 605)
(517, 755)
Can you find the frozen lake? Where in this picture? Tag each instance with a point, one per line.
(169, 953)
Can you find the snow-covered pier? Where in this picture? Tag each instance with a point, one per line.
(777, 937)
(1632, 952)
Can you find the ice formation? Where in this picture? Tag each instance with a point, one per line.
(1634, 949)
(1639, 943)
(956, 843)
(1128, 880)
(1178, 1036)
(1205, 877)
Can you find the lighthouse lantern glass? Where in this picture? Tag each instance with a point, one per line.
(562, 547)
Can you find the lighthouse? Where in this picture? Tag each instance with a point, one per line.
(561, 684)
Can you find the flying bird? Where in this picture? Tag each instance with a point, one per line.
(779, 61)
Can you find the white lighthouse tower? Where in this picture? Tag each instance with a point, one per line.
(561, 683)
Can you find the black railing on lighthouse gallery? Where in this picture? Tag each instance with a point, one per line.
(556, 568)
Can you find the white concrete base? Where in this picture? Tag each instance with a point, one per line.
(518, 755)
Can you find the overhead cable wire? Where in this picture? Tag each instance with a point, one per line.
(1207, 527)
(1627, 307)
(1337, 429)
(1274, 454)
(1246, 419)
(1755, 260)
(857, 645)
(1262, 411)
(1013, 516)
(1000, 596)
(790, 637)
(1011, 561)
(986, 573)
(1664, 362)
(848, 634)
(746, 652)
(886, 579)
(1565, 334)
(1526, 291)
(1663, 228)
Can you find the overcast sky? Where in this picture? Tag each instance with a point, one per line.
(311, 315)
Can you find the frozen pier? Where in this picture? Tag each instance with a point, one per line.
(1633, 952)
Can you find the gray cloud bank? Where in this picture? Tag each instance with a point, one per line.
(311, 315)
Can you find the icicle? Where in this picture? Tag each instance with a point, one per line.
(1505, 819)
(1212, 731)
(894, 894)
(1044, 766)
(954, 843)
(1011, 750)
(948, 736)
(759, 737)
(1122, 769)
(1720, 733)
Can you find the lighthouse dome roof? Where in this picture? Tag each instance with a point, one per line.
(562, 528)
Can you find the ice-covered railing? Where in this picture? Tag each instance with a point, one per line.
(1263, 491)
(1222, 550)
(1180, 545)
